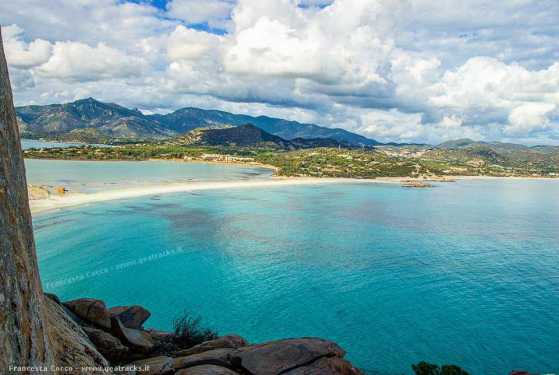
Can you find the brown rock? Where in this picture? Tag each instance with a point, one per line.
(108, 345)
(279, 356)
(206, 370)
(219, 357)
(161, 365)
(229, 341)
(326, 366)
(60, 190)
(131, 316)
(137, 339)
(92, 310)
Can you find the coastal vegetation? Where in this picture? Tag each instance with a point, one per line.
(188, 331)
(381, 161)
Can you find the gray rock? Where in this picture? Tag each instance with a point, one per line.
(136, 339)
(91, 310)
(229, 341)
(131, 316)
(206, 370)
(108, 345)
(279, 356)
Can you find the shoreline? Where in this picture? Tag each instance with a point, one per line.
(40, 204)
(77, 199)
(72, 199)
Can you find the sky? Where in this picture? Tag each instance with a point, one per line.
(392, 70)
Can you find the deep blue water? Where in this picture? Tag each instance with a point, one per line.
(464, 273)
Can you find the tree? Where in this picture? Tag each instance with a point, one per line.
(23, 335)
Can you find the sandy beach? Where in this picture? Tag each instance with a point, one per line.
(41, 204)
(73, 199)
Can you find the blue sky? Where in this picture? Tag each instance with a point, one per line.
(393, 70)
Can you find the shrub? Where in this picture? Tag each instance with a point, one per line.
(425, 368)
(189, 331)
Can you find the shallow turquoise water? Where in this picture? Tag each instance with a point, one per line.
(464, 273)
(35, 143)
(90, 176)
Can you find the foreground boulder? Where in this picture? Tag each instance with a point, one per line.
(325, 366)
(221, 357)
(108, 345)
(306, 356)
(91, 310)
(284, 355)
(130, 316)
(136, 339)
(229, 341)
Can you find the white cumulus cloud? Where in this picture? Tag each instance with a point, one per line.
(396, 70)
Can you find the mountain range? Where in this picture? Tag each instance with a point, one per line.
(90, 120)
(249, 135)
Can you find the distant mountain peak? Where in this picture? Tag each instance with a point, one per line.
(60, 120)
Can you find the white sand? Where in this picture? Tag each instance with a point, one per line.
(77, 199)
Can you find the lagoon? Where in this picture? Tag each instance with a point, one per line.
(464, 273)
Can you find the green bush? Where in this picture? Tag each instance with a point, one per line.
(189, 331)
(425, 368)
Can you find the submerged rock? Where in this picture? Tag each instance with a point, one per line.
(130, 316)
(91, 310)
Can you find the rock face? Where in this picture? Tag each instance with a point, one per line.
(92, 310)
(24, 338)
(69, 343)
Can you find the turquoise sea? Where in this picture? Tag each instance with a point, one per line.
(464, 273)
